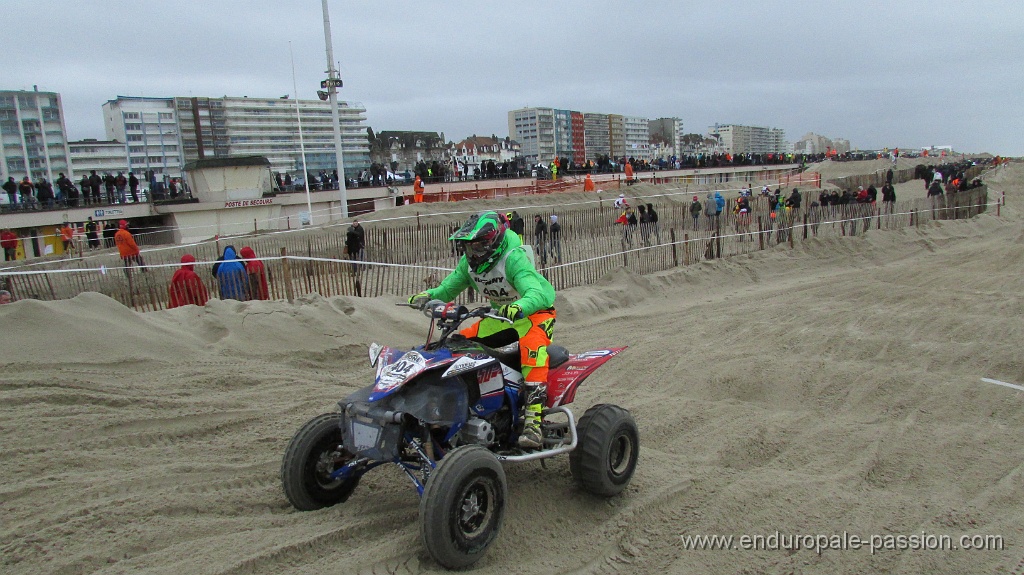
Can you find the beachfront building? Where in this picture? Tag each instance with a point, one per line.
(544, 133)
(668, 133)
(33, 139)
(101, 156)
(637, 136)
(812, 143)
(400, 151)
(737, 139)
(596, 136)
(269, 127)
(149, 129)
(534, 129)
(475, 150)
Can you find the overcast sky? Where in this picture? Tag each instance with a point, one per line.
(896, 73)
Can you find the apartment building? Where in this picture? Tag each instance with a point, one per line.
(269, 127)
(596, 135)
(103, 156)
(670, 132)
(33, 138)
(148, 128)
(637, 136)
(737, 139)
(534, 129)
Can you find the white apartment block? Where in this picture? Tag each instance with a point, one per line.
(637, 138)
(736, 139)
(103, 156)
(534, 129)
(33, 139)
(269, 127)
(148, 127)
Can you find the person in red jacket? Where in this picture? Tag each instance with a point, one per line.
(257, 274)
(186, 288)
(9, 241)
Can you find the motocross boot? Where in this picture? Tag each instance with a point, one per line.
(531, 437)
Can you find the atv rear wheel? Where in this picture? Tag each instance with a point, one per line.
(463, 506)
(315, 452)
(606, 453)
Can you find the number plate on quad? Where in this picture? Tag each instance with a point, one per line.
(364, 436)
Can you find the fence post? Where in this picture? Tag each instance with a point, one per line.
(760, 232)
(791, 231)
(686, 249)
(288, 291)
(675, 257)
(805, 226)
(255, 229)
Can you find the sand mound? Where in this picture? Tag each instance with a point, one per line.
(832, 388)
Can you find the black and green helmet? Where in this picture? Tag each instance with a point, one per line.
(480, 238)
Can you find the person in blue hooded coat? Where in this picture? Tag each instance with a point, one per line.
(719, 202)
(231, 276)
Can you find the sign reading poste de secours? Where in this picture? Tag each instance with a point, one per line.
(249, 203)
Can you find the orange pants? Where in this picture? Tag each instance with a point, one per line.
(534, 334)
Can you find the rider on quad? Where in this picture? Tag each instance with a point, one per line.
(496, 263)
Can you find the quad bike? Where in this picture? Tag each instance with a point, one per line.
(448, 413)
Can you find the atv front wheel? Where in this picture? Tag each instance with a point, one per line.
(606, 452)
(463, 506)
(315, 452)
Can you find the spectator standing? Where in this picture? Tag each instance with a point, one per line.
(540, 237)
(355, 243)
(711, 211)
(417, 189)
(67, 236)
(588, 184)
(645, 225)
(653, 216)
(9, 241)
(44, 192)
(186, 288)
(517, 224)
(121, 182)
(258, 288)
(556, 239)
(25, 189)
(84, 184)
(695, 210)
(133, 187)
(108, 185)
(109, 230)
(232, 278)
(95, 181)
(126, 246)
(67, 191)
(11, 187)
(629, 174)
(92, 234)
(935, 197)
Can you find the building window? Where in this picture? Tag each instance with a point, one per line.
(131, 115)
(166, 116)
(133, 127)
(134, 137)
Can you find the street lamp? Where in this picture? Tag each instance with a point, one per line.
(333, 82)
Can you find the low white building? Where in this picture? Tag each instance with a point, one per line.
(474, 150)
(103, 156)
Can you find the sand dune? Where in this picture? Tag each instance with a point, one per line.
(832, 388)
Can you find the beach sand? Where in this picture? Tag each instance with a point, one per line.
(832, 388)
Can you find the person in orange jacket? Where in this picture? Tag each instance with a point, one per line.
(588, 184)
(629, 173)
(186, 288)
(417, 189)
(67, 236)
(126, 246)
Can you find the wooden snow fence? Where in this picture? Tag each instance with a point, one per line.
(407, 257)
